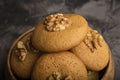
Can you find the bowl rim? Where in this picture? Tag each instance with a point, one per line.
(109, 70)
(12, 77)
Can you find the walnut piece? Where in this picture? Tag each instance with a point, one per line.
(30, 47)
(100, 40)
(69, 78)
(55, 76)
(56, 22)
(58, 76)
(21, 51)
(93, 40)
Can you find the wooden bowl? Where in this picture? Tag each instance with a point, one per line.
(106, 74)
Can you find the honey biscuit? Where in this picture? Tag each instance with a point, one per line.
(59, 32)
(22, 59)
(93, 51)
(59, 66)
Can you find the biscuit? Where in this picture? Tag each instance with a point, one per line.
(22, 66)
(59, 66)
(93, 51)
(55, 41)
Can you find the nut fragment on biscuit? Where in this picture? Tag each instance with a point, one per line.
(68, 78)
(55, 76)
(21, 51)
(93, 40)
(56, 22)
(100, 40)
(58, 76)
(30, 47)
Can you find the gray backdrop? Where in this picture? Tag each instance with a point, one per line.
(17, 16)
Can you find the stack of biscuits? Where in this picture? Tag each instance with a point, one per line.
(61, 47)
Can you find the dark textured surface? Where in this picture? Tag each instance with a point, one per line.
(17, 16)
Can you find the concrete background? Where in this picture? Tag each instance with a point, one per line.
(17, 16)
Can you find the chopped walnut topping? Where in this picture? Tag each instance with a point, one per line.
(55, 76)
(100, 40)
(58, 76)
(57, 22)
(93, 40)
(69, 78)
(30, 47)
(21, 51)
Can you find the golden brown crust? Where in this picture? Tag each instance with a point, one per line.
(96, 59)
(60, 40)
(62, 65)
